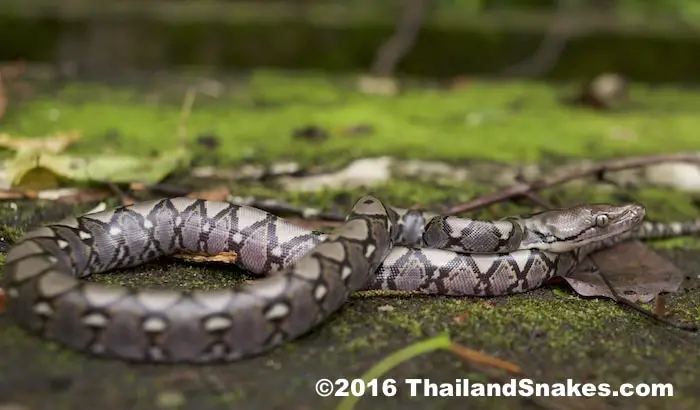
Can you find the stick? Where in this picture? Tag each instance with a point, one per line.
(551, 48)
(523, 189)
(395, 48)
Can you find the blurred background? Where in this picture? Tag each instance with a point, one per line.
(647, 40)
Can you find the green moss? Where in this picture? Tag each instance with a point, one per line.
(511, 122)
(10, 235)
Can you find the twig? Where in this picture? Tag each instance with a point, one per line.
(484, 359)
(395, 48)
(640, 309)
(549, 51)
(521, 189)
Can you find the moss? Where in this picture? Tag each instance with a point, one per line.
(511, 122)
(10, 235)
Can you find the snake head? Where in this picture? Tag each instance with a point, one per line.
(563, 230)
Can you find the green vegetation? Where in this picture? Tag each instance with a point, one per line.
(255, 122)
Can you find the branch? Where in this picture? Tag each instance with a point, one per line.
(397, 46)
(555, 40)
(521, 189)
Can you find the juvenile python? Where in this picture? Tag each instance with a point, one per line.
(308, 275)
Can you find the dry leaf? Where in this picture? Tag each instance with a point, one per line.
(223, 257)
(461, 317)
(636, 272)
(38, 171)
(6, 194)
(75, 195)
(53, 144)
(216, 194)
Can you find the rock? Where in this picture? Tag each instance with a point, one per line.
(679, 175)
(377, 85)
(364, 172)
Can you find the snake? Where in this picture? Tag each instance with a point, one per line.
(304, 276)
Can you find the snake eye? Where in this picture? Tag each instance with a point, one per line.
(601, 220)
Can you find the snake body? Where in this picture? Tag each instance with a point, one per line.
(306, 275)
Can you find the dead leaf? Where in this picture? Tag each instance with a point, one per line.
(53, 144)
(462, 317)
(76, 195)
(636, 272)
(223, 257)
(6, 194)
(35, 170)
(216, 194)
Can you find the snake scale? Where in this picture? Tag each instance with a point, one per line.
(306, 276)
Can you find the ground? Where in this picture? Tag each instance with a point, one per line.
(551, 333)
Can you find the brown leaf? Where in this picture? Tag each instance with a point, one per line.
(462, 317)
(636, 272)
(3, 300)
(6, 194)
(216, 194)
(223, 257)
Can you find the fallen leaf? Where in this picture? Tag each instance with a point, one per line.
(6, 194)
(50, 144)
(33, 170)
(636, 272)
(216, 194)
(77, 196)
(3, 300)
(461, 317)
(223, 257)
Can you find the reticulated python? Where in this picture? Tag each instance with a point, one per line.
(309, 275)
